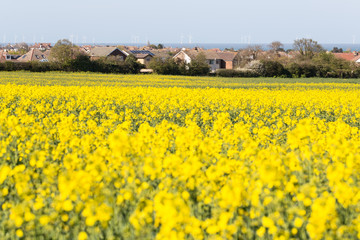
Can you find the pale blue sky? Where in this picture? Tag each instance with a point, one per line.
(173, 21)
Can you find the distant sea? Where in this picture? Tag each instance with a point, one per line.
(235, 46)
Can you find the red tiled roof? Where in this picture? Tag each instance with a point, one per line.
(215, 49)
(347, 56)
(41, 45)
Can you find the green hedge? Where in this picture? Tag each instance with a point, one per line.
(80, 64)
(236, 73)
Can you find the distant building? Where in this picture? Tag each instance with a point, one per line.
(228, 59)
(186, 55)
(11, 48)
(41, 46)
(5, 56)
(351, 56)
(142, 56)
(215, 59)
(85, 49)
(100, 52)
(2, 57)
(163, 54)
(35, 55)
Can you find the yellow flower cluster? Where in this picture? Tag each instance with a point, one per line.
(116, 159)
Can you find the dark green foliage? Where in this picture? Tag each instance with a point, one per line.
(167, 66)
(82, 63)
(274, 69)
(330, 61)
(133, 65)
(302, 69)
(159, 46)
(198, 66)
(337, 50)
(9, 66)
(342, 73)
(42, 66)
(14, 66)
(324, 65)
(269, 69)
(309, 70)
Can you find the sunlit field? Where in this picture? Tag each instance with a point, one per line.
(96, 156)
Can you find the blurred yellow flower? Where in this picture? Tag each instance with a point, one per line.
(164, 157)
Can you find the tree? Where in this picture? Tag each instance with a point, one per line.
(82, 63)
(23, 47)
(337, 50)
(329, 60)
(198, 66)
(276, 46)
(167, 66)
(254, 51)
(307, 47)
(133, 65)
(159, 46)
(248, 54)
(63, 51)
(153, 46)
(274, 69)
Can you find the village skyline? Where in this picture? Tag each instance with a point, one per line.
(246, 41)
(152, 56)
(221, 46)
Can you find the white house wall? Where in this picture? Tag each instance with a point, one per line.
(187, 59)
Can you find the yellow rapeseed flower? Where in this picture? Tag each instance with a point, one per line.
(82, 236)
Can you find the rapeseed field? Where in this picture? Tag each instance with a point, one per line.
(91, 156)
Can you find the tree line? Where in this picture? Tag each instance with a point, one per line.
(65, 56)
(310, 60)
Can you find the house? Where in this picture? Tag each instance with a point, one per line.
(142, 56)
(163, 54)
(41, 46)
(5, 56)
(228, 59)
(215, 59)
(293, 54)
(101, 52)
(352, 56)
(85, 49)
(130, 48)
(35, 55)
(2, 56)
(11, 48)
(186, 55)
